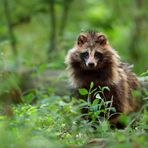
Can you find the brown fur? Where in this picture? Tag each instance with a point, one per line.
(110, 72)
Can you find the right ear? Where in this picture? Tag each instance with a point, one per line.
(81, 40)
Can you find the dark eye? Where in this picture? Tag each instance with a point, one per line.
(84, 55)
(98, 55)
(96, 41)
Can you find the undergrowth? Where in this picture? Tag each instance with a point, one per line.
(57, 121)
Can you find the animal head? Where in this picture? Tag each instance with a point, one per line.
(91, 51)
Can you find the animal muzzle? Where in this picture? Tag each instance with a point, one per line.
(91, 63)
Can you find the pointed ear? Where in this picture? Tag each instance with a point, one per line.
(101, 39)
(81, 40)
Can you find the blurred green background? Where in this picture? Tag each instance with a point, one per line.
(35, 106)
(41, 31)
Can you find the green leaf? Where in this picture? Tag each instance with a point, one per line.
(144, 73)
(94, 91)
(90, 113)
(103, 111)
(83, 91)
(105, 88)
(97, 113)
(95, 102)
(108, 102)
(91, 85)
(113, 109)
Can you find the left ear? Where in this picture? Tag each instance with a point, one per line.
(102, 39)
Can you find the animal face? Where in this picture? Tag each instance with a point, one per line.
(90, 48)
(91, 52)
(91, 58)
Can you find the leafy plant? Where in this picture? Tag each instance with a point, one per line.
(99, 108)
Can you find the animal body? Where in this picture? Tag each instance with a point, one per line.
(92, 59)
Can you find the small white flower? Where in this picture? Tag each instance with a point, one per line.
(98, 96)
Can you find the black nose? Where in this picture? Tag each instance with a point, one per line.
(91, 65)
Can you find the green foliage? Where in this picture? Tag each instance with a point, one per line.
(99, 108)
(83, 91)
(52, 120)
(56, 121)
(145, 73)
(46, 119)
